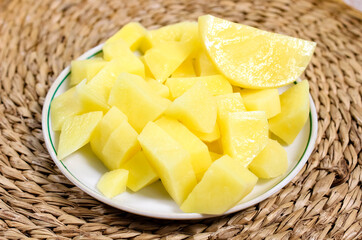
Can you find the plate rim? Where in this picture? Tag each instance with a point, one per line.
(313, 119)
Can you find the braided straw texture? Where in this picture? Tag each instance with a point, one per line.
(39, 38)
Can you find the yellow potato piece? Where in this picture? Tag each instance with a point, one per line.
(179, 32)
(76, 132)
(266, 100)
(170, 160)
(135, 98)
(244, 135)
(64, 106)
(90, 98)
(200, 158)
(164, 59)
(121, 145)
(253, 58)
(132, 33)
(113, 183)
(224, 184)
(228, 103)
(85, 69)
(111, 120)
(294, 112)
(141, 173)
(102, 83)
(271, 162)
(196, 108)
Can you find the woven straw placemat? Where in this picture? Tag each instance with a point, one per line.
(39, 38)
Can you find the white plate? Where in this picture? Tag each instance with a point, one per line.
(83, 169)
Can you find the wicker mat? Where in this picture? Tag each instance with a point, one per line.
(39, 38)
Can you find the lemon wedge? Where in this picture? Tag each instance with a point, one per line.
(253, 58)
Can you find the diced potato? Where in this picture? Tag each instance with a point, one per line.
(113, 118)
(294, 112)
(90, 98)
(119, 49)
(164, 59)
(141, 173)
(180, 32)
(186, 69)
(216, 84)
(121, 145)
(215, 146)
(64, 106)
(170, 160)
(135, 98)
(204, 66)
(113, 183)
(266, 100)
(127, 60)
(102, 83)
(200, 158)
(76, 132)
(85, 69)
(271, 162)
(228, 103)
(196, 108)
(244, 135)
(224, 184)
(132, 33)
(214, 156)
(159, 88)
(208, 137)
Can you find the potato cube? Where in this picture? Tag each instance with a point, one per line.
(76, 132)
(121, 145)
(132, 33)
(64, 106)
(228, 103)
(85, 69)
(141, 173)
(113, 183)
(200, 158)
(164, 59)
(271, 162)
(266, 100)
(196, 108)
(170, 160)
(111, 120)
(244, 135)
(294, 112)
(224, 184)
(135, 98)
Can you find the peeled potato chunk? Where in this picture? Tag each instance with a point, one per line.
(271, 162)
(224, 184)
(294, 112)
(113, 183)
(170, 160)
